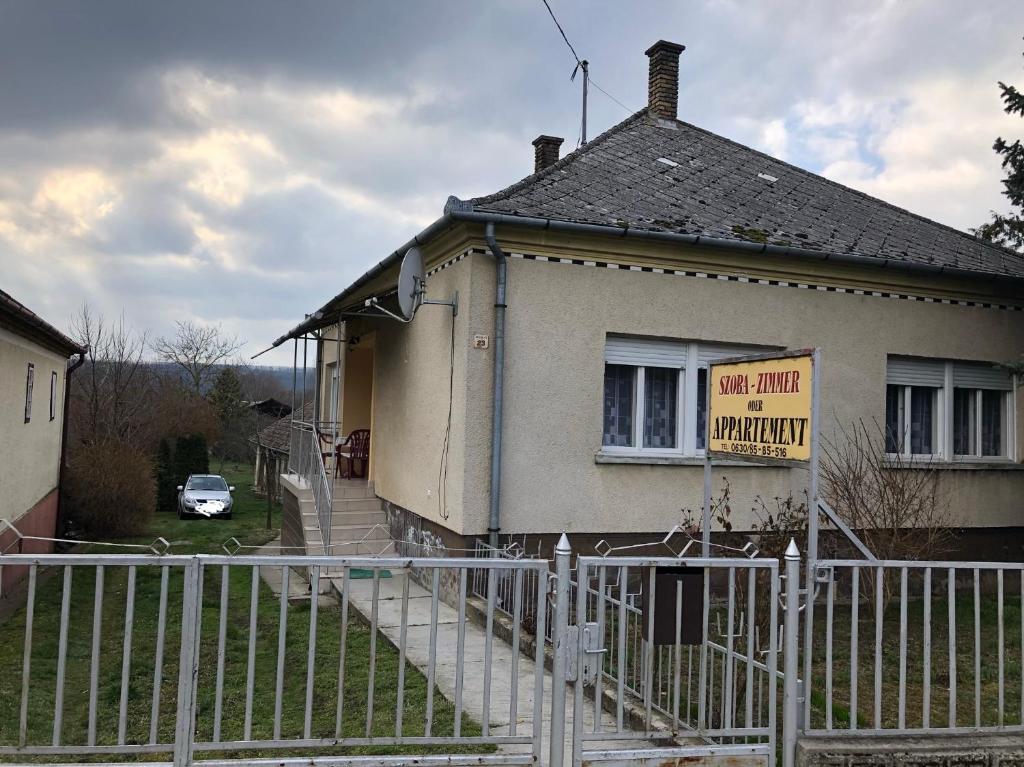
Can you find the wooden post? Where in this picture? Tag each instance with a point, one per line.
(269, 489)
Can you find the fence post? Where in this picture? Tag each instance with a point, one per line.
(791, 651)
(560, 644)
(191, 614)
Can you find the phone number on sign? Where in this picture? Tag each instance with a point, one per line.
(751, 448)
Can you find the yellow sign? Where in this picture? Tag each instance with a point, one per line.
(761, 409)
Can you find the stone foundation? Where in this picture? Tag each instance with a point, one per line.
(974, 750)
(40, 520)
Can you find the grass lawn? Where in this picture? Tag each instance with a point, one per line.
(203, 536)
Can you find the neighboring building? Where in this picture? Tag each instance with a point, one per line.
(269, 407)
(272, 444)
(34, 371)
(631, 263)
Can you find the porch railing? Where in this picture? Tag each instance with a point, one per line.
(305, 459)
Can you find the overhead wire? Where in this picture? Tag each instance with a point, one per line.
(580, 63)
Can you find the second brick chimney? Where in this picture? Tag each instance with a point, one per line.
(663, 79)
(545, 152)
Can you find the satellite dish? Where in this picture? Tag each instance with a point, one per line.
(411, 281)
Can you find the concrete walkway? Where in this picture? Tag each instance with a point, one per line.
(389, 621)
(298, 587)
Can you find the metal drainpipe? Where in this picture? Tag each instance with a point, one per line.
(64, 441)
(494, 525)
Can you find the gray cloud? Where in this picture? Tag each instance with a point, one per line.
(240, 162)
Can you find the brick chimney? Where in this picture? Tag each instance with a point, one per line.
(545, 152)
(663, 79)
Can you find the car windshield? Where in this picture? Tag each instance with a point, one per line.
(207, 483)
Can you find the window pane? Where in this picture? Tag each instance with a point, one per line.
(922, 420)
(702, 414)
(660, 395)
(893, 419)
(964, 422)
(992, 422)
(619, 396)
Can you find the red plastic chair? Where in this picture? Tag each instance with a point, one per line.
(358, 444)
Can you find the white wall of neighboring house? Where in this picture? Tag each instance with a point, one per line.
(29, 452)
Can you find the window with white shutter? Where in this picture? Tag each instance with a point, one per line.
(655, 394)
(947, 409)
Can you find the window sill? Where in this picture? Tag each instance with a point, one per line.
(669, 460)
(1004, 464)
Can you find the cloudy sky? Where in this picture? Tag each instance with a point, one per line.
(241, 162)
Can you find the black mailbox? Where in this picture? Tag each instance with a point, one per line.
(666, 581)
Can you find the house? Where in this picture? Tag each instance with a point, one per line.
(269, 407)
(35, 369)
(591, 297)
(271, 444)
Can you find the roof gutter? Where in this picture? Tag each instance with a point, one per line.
(457, 210)
(608, 230)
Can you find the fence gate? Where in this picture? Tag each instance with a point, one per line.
(674, 660)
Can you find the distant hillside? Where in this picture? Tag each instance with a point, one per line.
(265, 380)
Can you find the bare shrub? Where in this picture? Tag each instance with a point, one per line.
(894, 504)
(111, 490)
(779, 522)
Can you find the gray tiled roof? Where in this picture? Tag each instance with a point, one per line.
(27, 323)
(277, 435)
(672, 176)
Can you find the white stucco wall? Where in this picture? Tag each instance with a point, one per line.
(558, 318)
(29, 452)
(560, 315)
(410, 403)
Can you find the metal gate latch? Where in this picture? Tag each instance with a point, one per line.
(591, 658)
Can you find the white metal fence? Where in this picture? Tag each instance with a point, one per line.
(180, 656)
(915, 647)
(186, 655)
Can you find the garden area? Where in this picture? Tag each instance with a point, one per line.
(124, 703)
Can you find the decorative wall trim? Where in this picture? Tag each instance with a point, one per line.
(735, 278)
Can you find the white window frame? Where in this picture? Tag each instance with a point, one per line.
(1007, 427)
(945, 426)
(939, 439)
(686, 403)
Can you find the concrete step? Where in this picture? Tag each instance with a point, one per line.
(348, 533)
(353, 488)
(359, 518)
(356, 504)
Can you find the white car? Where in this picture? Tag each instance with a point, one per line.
(205, 495)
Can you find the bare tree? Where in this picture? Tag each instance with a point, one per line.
(197, 350)
(110, 396)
